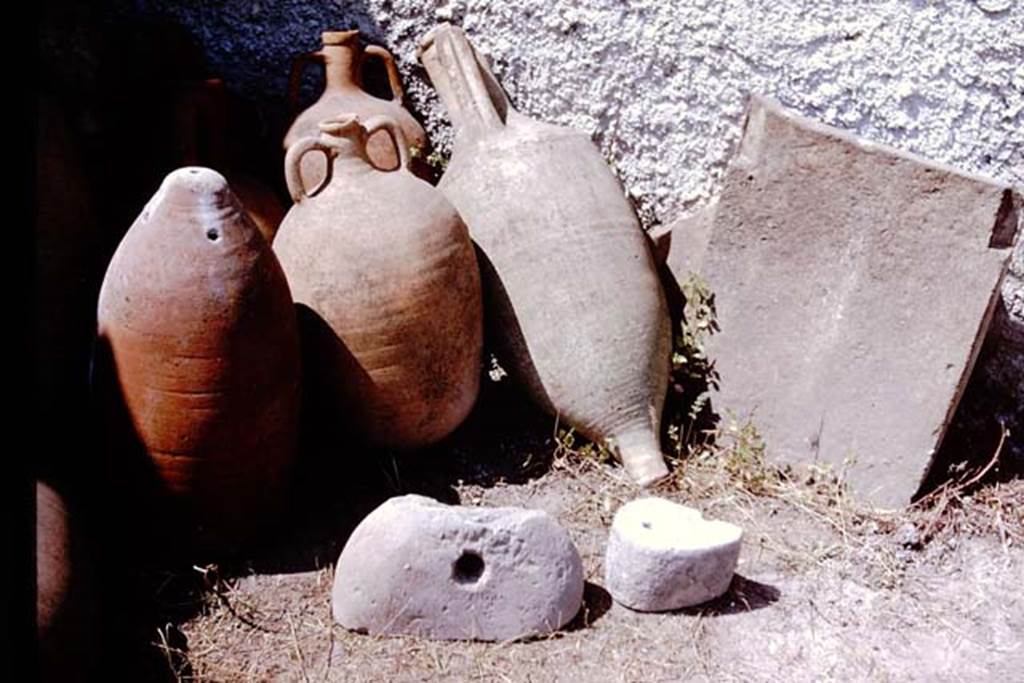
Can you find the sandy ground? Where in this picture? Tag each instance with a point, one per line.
(825, 589)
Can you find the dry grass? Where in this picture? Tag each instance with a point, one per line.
(827, 588)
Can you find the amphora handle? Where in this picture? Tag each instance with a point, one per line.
(394, 79)
(345, 135)
(386, 123)
(463, 80)
(293, 166)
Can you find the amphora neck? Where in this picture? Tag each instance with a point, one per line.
(343, 60)
(470, 92)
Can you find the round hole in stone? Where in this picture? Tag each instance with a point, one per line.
(468, 568)
(213, 234)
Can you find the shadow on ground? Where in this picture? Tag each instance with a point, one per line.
(596, 603)
(339, 481)
(743, 595)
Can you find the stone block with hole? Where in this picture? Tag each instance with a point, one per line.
(418, 567)
(663, 556)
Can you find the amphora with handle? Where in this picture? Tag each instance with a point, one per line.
(386, 279)
(574, 294)
(343, 58)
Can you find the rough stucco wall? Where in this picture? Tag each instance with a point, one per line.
(661, 86)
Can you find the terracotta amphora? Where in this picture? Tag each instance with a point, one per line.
(573, 291)
(343, 57)
(203, 120)
(383, 266)
(65, 610)
(197, 367)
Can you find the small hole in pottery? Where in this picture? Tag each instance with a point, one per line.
(193, 171)
(646, 525)
(468, 568)
(212, 234)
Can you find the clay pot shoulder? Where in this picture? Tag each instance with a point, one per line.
(374, 263)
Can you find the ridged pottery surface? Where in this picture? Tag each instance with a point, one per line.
(573, 288)
(343, 57)
(203, 120)
(199, 344)
(384, 269)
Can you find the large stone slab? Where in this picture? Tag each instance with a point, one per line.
(417, 567)
(853, 285)
(994, 398)
(664, 556)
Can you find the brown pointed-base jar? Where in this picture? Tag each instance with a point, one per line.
(343, 57)
(573, 292)
(197, 369)
(385, 272)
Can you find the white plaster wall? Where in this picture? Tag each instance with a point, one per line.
(661, 85)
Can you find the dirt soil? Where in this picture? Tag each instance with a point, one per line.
(826, 589)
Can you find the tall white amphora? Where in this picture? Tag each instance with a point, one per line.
(573, 294)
